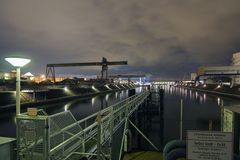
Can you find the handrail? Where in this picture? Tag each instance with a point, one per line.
(63, 134)
(95, 114)
(131, 101)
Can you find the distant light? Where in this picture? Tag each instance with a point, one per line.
(116, 86)
(66, 106)
(28, 74)
(95, 89)
(108, 87)
(6, 75)
(42, 76)
(18, 62)
(31, 78)
(219, 86)
(66, 89)
(27, 91)
(204, 85)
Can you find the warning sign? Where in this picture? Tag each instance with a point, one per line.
(206, 145)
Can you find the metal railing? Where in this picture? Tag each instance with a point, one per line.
(61, 136)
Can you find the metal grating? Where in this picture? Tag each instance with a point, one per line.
(31, 138)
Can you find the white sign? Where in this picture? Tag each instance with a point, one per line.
(208, 145)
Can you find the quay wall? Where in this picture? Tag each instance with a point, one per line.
(225, 91)
(53, 96)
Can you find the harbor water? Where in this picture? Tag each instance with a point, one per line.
(200, 111)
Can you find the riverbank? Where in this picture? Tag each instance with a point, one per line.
(68, 93)
(221, 90)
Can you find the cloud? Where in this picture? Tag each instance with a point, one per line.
(166, 38)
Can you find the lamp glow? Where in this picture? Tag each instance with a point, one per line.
(219, 86)
(18, 62)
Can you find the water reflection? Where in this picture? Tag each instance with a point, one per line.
(80, 108)
(116, 95)
(197, 96)
(198, 109)
(93, 101)
(219, 101)
(66, 107)
(204, 97)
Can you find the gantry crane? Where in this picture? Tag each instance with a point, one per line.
(50, 69)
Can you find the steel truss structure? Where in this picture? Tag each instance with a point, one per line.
(50, 69)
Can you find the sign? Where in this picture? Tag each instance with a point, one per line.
(32, 111)
(209, 145)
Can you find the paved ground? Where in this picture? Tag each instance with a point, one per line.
(145, 155)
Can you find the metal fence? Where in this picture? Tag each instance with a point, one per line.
(61, 136)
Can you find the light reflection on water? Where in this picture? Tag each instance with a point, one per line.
(80, 108)
(200, 97)
(198, 110)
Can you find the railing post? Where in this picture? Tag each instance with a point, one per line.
(124, 141)
(99, 136)
(111, 132)
(126, 131)
(47, 138)
(83, 142)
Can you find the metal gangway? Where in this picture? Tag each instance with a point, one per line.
(61, 136)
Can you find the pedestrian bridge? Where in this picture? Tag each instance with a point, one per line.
(61, 136)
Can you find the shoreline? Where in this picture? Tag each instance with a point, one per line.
(213, 92)
(60, 99)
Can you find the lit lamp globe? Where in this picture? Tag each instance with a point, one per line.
(18, 63)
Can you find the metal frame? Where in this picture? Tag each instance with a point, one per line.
(61, 136)
(50, 69)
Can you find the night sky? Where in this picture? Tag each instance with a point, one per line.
(164, 38)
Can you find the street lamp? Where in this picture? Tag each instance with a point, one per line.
(18, 63)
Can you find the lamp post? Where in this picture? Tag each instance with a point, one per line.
(18, 63)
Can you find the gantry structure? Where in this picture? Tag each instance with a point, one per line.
(50, 69)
